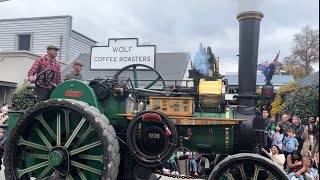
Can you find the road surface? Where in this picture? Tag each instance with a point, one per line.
(162, 178)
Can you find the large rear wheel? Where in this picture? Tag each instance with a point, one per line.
(247, 166)
(62, 138)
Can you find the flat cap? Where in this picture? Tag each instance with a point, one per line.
(77, 62)
(52, 47)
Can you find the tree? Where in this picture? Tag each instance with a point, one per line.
(305, 50)
(278, 103)
(296, 71)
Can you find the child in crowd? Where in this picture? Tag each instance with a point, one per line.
(277, 136)
(276, 156)
(290, 143)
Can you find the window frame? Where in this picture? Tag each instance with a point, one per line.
(17, 40)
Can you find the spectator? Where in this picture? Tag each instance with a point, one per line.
(311, 120)
(171, 166)
(285, 124)
(276, 156)
(311, 141)
(290, 143)
(2, 143)
(296, 165)
(193, 164)
(4, 114)
(273, 123)
(277, 137)
(317, 122)
(311, 173)
(298, 129)
(267, 121)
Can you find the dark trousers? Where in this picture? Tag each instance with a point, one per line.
(43, 94)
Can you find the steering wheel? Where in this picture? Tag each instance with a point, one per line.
(45, 78)
(135, 75)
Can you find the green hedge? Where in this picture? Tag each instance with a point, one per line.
(304, 102)
(24, 98)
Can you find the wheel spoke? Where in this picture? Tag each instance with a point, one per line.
(44, 172)
(242, 172)
(91, 157)
(84, 148)
(75, 132)
(228, 175)
(58, 129)
(85, 167)
(135, 76)
(84, 135)
(81, 174)
(31, 144)
(44, 139)
(271, 177)
(37, 156)
(45, 125)
(152, 83)
(66, 116)
(21, 172)
(69, 177)
(256, 172)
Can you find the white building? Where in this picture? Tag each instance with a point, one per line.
(25, 39)
(35, 34)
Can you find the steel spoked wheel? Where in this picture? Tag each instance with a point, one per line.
(45, 78)
(62, 138)
(247, 166)
(135, 78)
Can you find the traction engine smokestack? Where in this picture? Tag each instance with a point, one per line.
(249, 29)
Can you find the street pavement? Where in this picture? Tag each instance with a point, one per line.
(162, 178)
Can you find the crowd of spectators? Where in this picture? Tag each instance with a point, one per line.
(294, 146)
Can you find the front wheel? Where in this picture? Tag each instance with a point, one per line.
(65, 139)
(247, 166)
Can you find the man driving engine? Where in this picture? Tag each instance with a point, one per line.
(47, 62)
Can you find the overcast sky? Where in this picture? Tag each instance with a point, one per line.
(179, 25)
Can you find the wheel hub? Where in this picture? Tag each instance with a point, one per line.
(59, 159)
(56, 158)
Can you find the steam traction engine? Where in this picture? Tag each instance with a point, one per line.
(114, 129)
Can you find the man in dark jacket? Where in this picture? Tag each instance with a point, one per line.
(76, 72)
(267, 121)
(298, 129)
(286, 125)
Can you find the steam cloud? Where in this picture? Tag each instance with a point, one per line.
(201, 62)
(249, 5)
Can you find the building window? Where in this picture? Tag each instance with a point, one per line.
(24, 42)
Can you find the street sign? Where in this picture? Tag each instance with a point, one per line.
(120, 53)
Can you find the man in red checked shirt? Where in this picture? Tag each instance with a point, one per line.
(44, 63)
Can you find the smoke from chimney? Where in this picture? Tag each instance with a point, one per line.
(249, 5)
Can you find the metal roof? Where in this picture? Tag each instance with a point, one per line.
(171, 66)
(277, 80)
(8, 84)
(312, 79)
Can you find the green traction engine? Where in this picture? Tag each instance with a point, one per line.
(125, 128)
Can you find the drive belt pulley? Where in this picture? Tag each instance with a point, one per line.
(151, 138)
